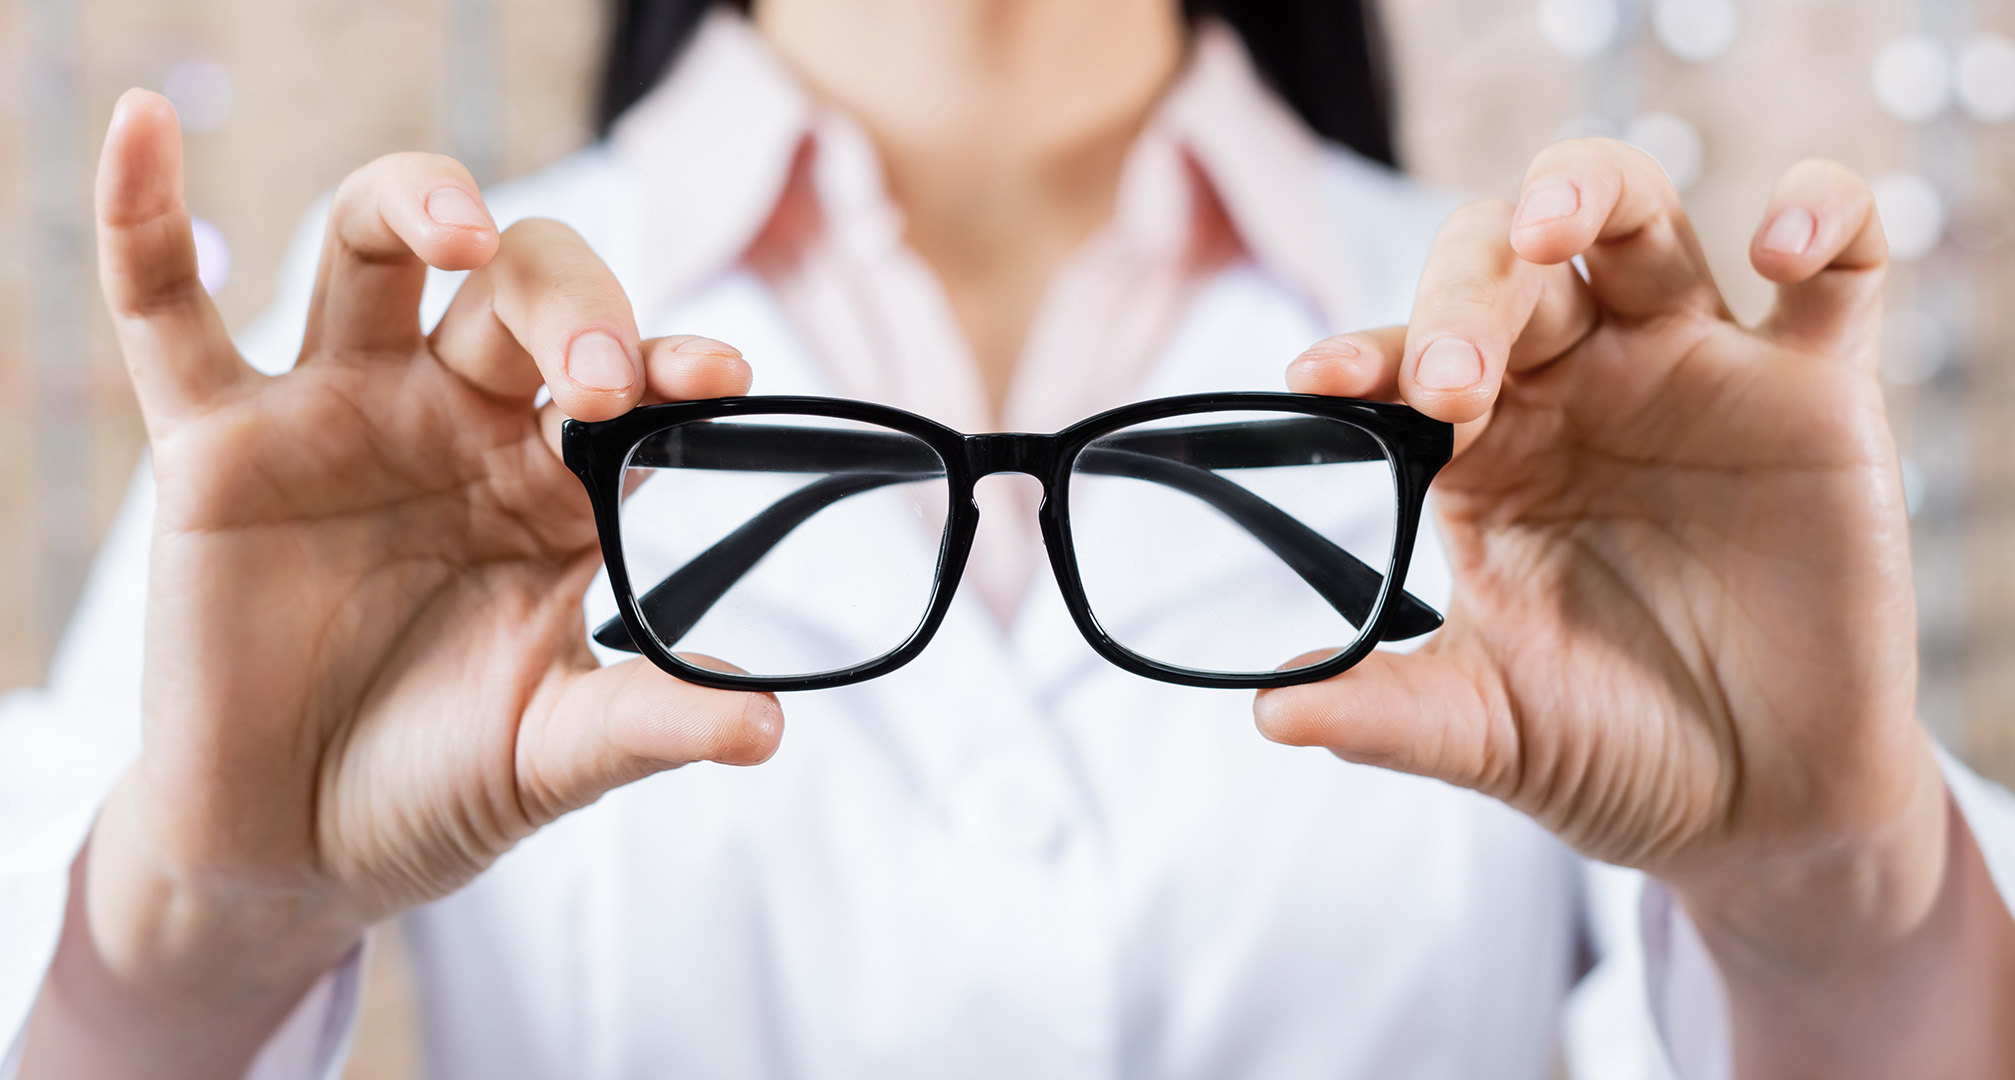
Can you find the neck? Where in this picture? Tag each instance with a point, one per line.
(1002, 125)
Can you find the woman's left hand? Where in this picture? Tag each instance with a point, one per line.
(1683, 634)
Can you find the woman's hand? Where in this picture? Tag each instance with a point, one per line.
(366, 672)
(1683, 634)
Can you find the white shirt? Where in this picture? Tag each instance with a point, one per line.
(1007, 859)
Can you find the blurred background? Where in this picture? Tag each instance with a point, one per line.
(280, 100)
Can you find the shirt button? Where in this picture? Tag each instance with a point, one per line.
(1017, 806)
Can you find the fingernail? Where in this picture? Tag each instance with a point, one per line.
(705, 346)
(1334, 349)
(599, 362)
(1547, 200)
(764, 718)
(1449, 364)
(453, 206)
(1792, 232)
(1265, 713)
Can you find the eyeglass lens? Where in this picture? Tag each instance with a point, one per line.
(783, 545)
(1232, 543)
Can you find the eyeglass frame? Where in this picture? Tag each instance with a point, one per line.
(1416, 446)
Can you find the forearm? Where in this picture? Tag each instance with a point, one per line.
(1927, 994)
(153, 982)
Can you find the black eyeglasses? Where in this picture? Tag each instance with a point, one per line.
(1208, 540)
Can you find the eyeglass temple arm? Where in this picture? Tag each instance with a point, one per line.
(688, 593)
(785, 449)
(677, 603)
(1342, 579)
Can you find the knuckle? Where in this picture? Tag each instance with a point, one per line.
(386, 170)
(1466, 290)
(546, 257)
(1481, 216)
(420, 160)
(1605, 150)
(1570, 155)
(1830, 178)
(574, 285)
(374, 208)
(1346, 345)
(1599, 160)
(421, 172)
(1640, 167)
(539, 233)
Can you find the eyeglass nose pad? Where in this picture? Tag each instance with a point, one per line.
(1008, 544)
(961, 526)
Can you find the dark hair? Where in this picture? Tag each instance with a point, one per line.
(1325, 57)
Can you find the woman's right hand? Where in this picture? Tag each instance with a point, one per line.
(366, 672)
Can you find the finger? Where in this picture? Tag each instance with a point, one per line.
(687, 367)
(1473, 301)
(546, 298)
(1822, 242)
(609, 726)
(174, 342)
(471, 341)
(1565, 314)
(388, 222)
(679, 368)
(1364, 365)
(1611, 204)
(1422, 713)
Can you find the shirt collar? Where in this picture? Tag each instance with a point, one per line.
(1263, 164)
(716, 139)
(713, 142)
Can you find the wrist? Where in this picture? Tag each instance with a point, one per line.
(193, 936)
(1904, 967)
(1846, 901)
(162, 982)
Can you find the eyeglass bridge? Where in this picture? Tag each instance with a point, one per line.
(1011, 452)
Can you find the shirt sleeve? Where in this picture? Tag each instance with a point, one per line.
(61, 748)
(64, 745)
(315, 1039)
(1654, 1008)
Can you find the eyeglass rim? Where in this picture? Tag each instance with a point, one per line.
(597, 453)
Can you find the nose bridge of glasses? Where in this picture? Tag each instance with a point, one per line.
(1011, 451)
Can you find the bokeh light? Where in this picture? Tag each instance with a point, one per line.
(213, 255)
(1915, 346)
(1986, 78)
(1579, 28)
(1913, 484)
(201, 93)
(1913, 214)
(1671, 141)
(1983, 216)
(1913, 79)
(1696, 30)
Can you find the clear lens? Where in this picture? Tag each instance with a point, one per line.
(1233, 542)
(783, 545)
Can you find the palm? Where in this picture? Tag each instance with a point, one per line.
(1683, 629)
(1682, 555)
(402, 559)
(366, 673)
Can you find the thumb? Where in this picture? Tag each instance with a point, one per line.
(1425, 713)
(175, 344)
(606, 727)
